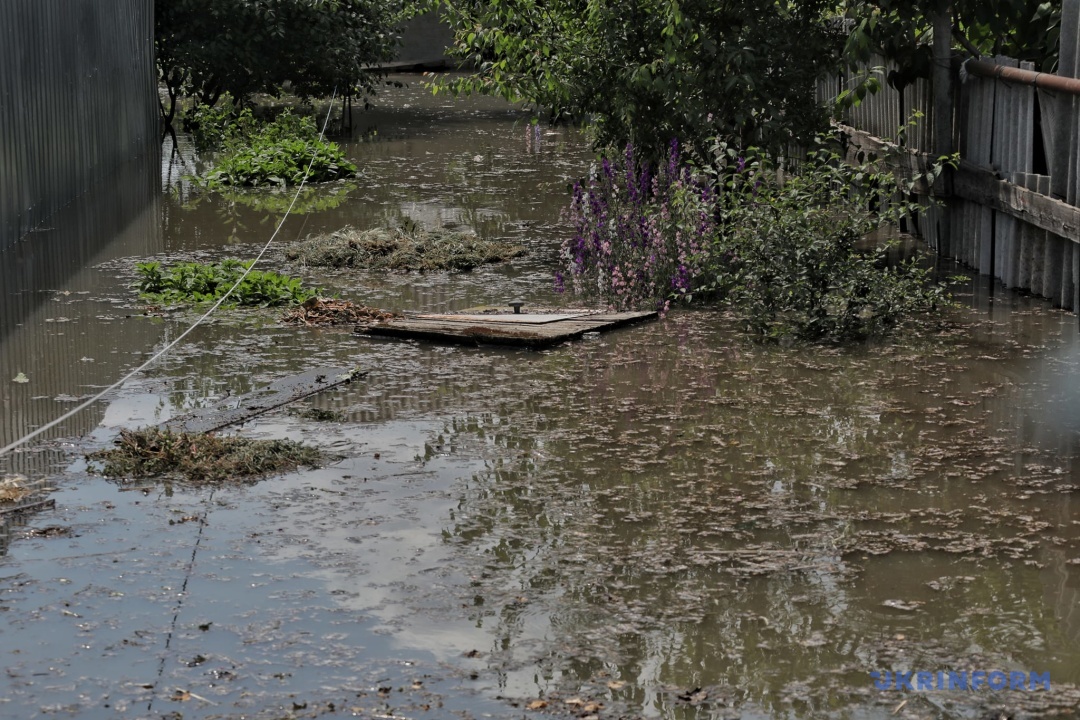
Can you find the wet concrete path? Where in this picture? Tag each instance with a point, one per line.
(666, 520)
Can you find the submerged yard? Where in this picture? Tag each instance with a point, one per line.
(665, 521)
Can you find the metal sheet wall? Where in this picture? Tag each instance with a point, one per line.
(78, 97)
(995, 126)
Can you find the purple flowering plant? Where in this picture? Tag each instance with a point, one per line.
(778, 242)
(640, 232)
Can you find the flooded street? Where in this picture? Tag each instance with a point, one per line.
(666, 521)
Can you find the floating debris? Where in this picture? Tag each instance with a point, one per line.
(318, 312)
(523, 330)
(199, 458)
(405, 247)
(13, 488)
(319, 414)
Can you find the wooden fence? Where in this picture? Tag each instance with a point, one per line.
(1010, 209)
(78, 98)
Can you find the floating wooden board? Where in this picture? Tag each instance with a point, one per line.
(277, 394)
(533, 331)
(525, 318)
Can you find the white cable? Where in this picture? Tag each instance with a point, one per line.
(29, 436)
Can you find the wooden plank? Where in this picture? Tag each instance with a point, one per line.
(905, 163)
(522, 318)
(979, 185)
(277, 394)
(983, 186)
(504, 332)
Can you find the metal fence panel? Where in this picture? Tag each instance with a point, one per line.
(78, 95)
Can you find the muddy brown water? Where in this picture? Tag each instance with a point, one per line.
(667, 521)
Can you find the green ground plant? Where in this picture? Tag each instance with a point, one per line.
(191, 282)
(278, 153)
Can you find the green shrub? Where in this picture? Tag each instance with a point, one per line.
(211, 125)
(276, 153)
(791, 254)
(202, 283)
(786, 254)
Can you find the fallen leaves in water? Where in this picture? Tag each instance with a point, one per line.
(318, 312)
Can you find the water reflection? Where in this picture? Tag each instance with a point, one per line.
(55, 328)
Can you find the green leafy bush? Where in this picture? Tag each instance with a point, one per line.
(792, 257)
(211, 125)
(784, 250)
(202, 283)
(276, 153)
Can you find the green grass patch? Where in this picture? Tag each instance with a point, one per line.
(190, 282)
(199, 458)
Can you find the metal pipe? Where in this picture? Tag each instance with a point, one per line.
(1046, 81)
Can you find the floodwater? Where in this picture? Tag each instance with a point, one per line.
(664, 521)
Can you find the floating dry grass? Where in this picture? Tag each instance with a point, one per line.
(199, 458)
(319, 414)
(318, 312)
(13, 488)
(405, 247)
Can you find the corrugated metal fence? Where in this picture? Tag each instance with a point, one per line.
(78, 95)
(1004, 220)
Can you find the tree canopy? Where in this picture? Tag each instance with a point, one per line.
(645, 71)
(208, 47)
(901, 30)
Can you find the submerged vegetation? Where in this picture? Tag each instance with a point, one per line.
(782, 249)
(199, 458)
(278, 201)
(191, 282)
(404, 247)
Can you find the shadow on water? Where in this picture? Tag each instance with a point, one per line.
(117, 217)
(51, 330)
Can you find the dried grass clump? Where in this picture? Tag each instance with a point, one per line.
(199, 458)
(328, 311)
(404, 248)
(13, 488)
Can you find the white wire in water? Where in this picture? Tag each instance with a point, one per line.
(44, 428)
